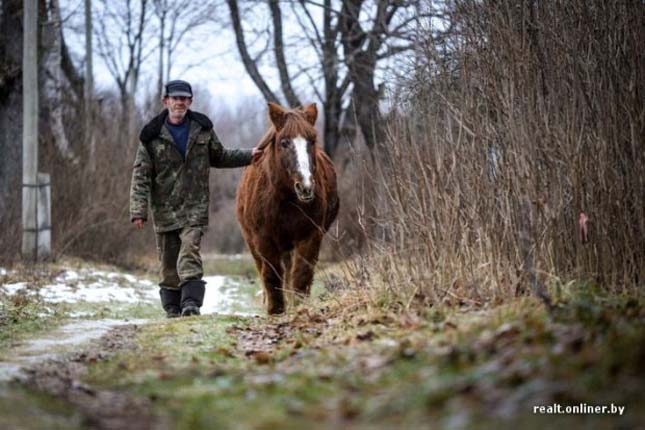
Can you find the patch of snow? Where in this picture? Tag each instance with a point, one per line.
(9, 370)
(80, 314)
(387, 342)
(45, 312)
(12, 289)
(69, 275)
(3, 271)
(229, 257)
(95, 292)
(223, 296)
(91, 285)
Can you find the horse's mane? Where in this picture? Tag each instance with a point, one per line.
(267, 138)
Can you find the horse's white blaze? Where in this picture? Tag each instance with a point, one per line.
(303, 160)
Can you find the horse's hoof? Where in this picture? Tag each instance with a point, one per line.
(275, 311)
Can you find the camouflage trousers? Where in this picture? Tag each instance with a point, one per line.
(179, 256)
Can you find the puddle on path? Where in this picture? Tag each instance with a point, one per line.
(65, 339)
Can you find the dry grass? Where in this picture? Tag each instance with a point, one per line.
(520, 118)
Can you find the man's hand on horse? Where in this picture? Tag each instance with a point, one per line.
(138, 222)
(256, 153)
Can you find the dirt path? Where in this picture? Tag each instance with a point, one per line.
(55, 344)
(103, 309)
(101, 409)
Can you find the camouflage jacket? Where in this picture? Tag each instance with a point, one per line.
(177, 188)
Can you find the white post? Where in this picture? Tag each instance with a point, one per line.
(30, 130)
(44, 216)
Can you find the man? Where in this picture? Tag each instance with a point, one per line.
(171, 168)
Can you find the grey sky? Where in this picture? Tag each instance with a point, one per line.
(208, 59)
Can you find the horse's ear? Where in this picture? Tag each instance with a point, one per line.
(278, 115)
(311, 113)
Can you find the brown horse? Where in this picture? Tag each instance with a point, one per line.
(286, 201)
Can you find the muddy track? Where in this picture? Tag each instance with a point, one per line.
(101, 409)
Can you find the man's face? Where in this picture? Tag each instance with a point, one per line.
(177, 106)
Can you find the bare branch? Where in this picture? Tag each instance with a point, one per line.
(394, 50)
(278, 49)
(312, 23)
(249, 64)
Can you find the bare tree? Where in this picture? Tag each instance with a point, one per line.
(356, 36)
(335, 81)
(54, 81)
(364, 45)
(177, 21)
(278, 49)
(89, 88)
(121, 34)
(161, 10)
(250, 63)
(11, 36)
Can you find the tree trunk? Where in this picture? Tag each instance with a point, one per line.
(131, 107)
(333, 93)
(361, 49)
(249, 63)
(162, 33)
(88, 114)
(368, 115)
(52, 80)
(278, 49)
(10, 127)
(332, 124)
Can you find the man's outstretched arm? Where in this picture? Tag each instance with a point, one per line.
(222, 157)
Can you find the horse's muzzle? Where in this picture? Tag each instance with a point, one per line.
(304, 194)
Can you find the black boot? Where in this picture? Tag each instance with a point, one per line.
(171, 302)
(192, 297)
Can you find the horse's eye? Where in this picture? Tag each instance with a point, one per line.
(284, 143)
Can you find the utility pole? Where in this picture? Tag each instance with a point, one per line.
(30, 131)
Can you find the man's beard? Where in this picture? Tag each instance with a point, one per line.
(177, 116)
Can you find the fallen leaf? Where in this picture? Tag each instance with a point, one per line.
(346, 409)
(224, 351)
(260, 357)
(368, 335)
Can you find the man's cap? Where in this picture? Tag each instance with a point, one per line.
(178, 88)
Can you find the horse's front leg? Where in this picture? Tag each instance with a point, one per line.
(272, 277)
(304, 262)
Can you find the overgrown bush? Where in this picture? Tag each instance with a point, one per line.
(508, 125)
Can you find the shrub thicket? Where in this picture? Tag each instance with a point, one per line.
(516, 119)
